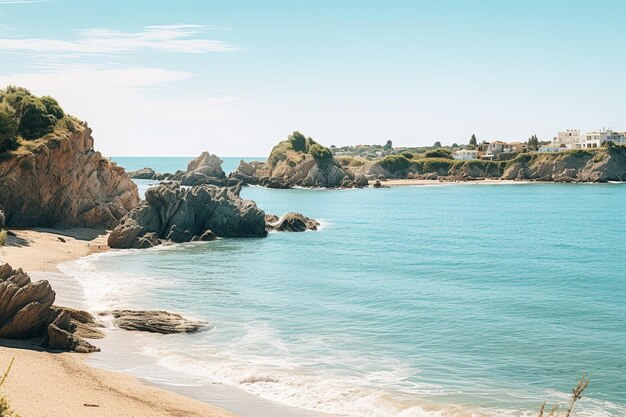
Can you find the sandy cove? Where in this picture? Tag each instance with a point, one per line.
(44, 384)
(414, 182)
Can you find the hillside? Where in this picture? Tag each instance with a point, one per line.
(49, 172)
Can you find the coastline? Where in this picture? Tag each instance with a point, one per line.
(65, 385)
(404, 182)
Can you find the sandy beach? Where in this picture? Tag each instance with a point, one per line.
(415, 182)
(45, 384)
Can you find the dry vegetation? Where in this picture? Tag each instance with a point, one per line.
(577, 392)
(5, 408)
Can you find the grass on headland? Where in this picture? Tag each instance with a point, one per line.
(577, 392)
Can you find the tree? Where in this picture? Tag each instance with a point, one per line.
(533, 143)
(8, 128)
(437, 144)
(298, 141)
(473, 141)
(388, 146)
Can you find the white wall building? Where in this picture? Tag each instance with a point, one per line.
(573, 139)
(569, 139)
(598, 138)
(465, 154)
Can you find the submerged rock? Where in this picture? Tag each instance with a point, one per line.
(292, 222)
(155, 321)
(173, 213)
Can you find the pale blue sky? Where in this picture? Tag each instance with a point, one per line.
(234, 76)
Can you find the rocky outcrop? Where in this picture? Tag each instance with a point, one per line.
(206, 169)
(155, 321)
(26, 311)
(177, 214)
(605, 164)
(60, 179)
(142, 174)
(298, 161)
(24, 305)
(63, 335)
(291, 222)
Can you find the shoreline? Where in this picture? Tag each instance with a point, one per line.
(65, 384)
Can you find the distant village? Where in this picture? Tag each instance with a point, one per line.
(497, 150)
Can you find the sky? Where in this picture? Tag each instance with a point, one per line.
(234, 77)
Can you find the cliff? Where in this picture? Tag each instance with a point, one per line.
(601, 165)
(298, 161)
(59, 179)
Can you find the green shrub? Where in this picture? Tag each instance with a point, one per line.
(321, 153)
(395, 163)
(438, 153)
(298, 142)
(8, 128)
(3, 237)
(34, 116)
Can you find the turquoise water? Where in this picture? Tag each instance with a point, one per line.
(488, 298)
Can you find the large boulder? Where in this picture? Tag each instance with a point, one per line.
(26, 312)
(297, 161)
(172, 212)
(60, 179)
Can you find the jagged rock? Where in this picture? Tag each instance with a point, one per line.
(297, 161)
(26, 312)
(142, 174)
(62, 180)
(60, 337)
(24, 305)
(293, 222)
(173, 212)
(205, 169)
(155, 321)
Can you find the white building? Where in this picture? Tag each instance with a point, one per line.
(573, 139)
(465, 154)
(598, 138)
(569, 139)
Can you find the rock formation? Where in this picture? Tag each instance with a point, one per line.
(60, 179)
(291, 222)
(155, 321)
(177, 214)
(26, 311)
(605, 164)
(298, 161)
(206, 169)
(142, 174)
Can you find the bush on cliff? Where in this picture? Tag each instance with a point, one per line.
(8, 128)
(395, 163)
(438, 153)
(32, 116)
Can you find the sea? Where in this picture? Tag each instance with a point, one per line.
(455, 300)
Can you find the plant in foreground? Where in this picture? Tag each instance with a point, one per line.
(5, 408)
(577, 392)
